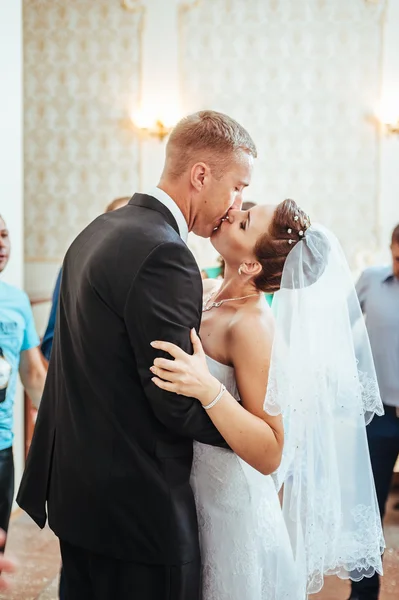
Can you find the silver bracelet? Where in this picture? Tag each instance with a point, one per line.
(216, 400)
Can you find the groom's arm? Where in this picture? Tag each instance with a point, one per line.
(164, 303)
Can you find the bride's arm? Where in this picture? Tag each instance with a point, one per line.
(253, 434)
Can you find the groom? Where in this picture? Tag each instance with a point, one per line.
(111, 453)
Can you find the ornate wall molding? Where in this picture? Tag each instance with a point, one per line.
(132, 5)
(139, 5)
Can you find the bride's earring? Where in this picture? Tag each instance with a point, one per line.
(240, 271)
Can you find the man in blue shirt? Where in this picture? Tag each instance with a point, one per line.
(47, 341)
(18, 352)
(378, 292)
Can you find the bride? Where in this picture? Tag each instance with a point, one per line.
(291, 390)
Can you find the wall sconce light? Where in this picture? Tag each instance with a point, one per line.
(388, 115)
(392, 128)
(158, 130)
(149, 126)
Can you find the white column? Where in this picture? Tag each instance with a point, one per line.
(11, 152)
(160, 93)
(160, 73)
(389, 165)
(11, 172)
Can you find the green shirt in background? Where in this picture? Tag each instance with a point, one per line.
(215, 272)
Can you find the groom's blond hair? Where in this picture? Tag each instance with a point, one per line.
(206, 136)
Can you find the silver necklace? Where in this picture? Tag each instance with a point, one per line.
(205, 308)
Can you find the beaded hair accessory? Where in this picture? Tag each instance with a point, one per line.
(301, 232)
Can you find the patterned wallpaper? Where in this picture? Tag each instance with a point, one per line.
(81, 79)
(303, 77)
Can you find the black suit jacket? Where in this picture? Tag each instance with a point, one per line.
(111, 453)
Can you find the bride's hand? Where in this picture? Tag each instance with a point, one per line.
(187, 375)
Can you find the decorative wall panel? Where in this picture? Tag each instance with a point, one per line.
(81, 80)
(304, 78)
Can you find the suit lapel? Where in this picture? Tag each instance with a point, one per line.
(152, 203)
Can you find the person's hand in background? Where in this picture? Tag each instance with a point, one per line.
(6, 565)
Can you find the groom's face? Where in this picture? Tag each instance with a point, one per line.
(220, 194)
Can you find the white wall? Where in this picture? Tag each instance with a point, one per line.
(11, 170)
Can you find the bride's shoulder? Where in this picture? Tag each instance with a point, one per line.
(250, 324)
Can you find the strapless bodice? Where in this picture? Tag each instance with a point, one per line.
(225, 374)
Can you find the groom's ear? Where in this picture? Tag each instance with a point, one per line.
(251, 268)
(199, 174)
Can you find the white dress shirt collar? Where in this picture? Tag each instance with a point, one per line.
(167, 201)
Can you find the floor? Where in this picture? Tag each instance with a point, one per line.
(37, 553)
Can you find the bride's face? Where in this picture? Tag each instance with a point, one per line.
(236, 238)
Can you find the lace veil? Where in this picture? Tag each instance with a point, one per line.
(322, 380)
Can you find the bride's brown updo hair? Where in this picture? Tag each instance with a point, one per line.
(273, 247)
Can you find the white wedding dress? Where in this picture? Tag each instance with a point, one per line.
(246, 552)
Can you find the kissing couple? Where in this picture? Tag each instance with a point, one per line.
(192, 443)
